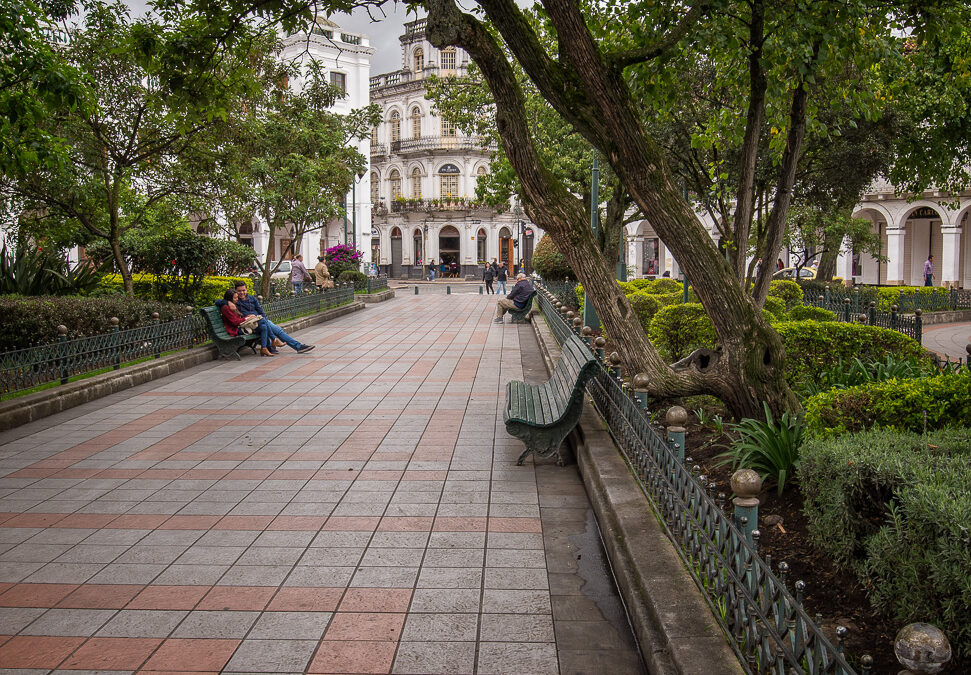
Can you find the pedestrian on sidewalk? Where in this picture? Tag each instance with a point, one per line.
(501, 274)
(487, 276)
(929, 270)
(517, 298)
(298, 274)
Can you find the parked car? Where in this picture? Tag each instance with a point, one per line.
(283, 272)
(790, 273)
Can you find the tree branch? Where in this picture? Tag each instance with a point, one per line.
(621, 60)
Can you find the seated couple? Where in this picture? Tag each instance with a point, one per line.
(237, 306)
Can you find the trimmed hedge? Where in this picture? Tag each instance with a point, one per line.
(146, 286)
(788, 291)
(895, 507)
(645, 307)
(359, 279)
(776, 307)
(893, 404)
(34, 320)
(908, 298)
(677, 330)
(810, 313)
(811, 344)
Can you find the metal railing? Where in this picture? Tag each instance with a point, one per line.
(442, 143)
(565, 292)
(907, 299)
(849, 310)
(377, 284)
(769, 630)
(59, 361)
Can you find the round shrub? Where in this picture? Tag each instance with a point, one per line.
(641, 284)
(677, 330)
(776, 307)
(893, 404)
(810, 313)
(665, 285)
(549, 263)
(788, 291)
(359, 279)
(645, 306)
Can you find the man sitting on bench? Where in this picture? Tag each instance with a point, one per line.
(248, 304)
(517, 298)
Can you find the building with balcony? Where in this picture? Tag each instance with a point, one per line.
(424, 173)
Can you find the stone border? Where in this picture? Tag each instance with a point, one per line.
(24, 409)
(374, 297)
(676, 631)
(938, 318)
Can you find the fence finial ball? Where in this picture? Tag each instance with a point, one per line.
(746, 483)
(614, 359)
(641, 380)
(587, 331)
(62, 329)
(676, 416)
(601, 342)
(155, 315)
(577, 321)
(922, 648)
(114, 321)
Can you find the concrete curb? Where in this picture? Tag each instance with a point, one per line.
(674, 625)
(374, 297)
(18, 411)
(938, 318)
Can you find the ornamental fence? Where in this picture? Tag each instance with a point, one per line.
(923, 298)
(851, 310)
(767, 626)
(59, 361)
(377, 284)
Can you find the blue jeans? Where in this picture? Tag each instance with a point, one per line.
(501, 287)
(298, 287)
(269, 330)
(928, 279)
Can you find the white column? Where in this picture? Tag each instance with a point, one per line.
(844, 261)
(950, 272)
(895, 256)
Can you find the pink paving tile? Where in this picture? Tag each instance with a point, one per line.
(248, 474)
(424, 475)
(243, 598)
(204, 474)
(35, 520)
(186, 655)
(137, 522)
(161, 474)
(6, 515)
(296, 599)
(355, 656)
(26, 651)
(119, 473)
(380, 475)
(99, 654)
(334, 474)
(93, 521)
(77, 473)
(35, 595)
(459, 524)
(515, 525)
(168, 597)
(293, 474)
(385, 626)
(351, 523)
(243, 523)
(297, 523)
(100, 596)
(406, 524)
(189, 523)
(376, 600)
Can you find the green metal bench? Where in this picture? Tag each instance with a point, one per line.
(227, 345)
(519, 315)
(543, 415)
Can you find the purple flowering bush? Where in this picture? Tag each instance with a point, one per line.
(341, 258)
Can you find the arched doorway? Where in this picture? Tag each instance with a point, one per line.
(375, 249)
(449, 244)
(480, 246)
(964, 255)
(419, 246)
(869, 267)
(505, 248)
(526, 250)
(395, 253)
(922, 238)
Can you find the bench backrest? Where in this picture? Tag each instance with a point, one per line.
(529, 302)
(575, 366)
(214, 322)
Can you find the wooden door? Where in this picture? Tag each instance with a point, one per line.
(396, 257)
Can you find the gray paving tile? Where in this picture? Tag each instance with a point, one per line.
(385, 577)
(272, 656)
(142, 623)
(516, 628)
(127, 573)
(440, 628)
(200, 555)
(216, 625)
(13, 572)
(332, 557)
(14, 619)
(81, 622)
(30, 552)
(392, 557)
(515, 658)
(320, 576)
(515, 602)
(255, 575)
(446, 601)
(432, 658)
(64, 573)
(191, 575)
(450, 577)
(290, 626)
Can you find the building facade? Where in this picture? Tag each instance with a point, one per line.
(424, 173)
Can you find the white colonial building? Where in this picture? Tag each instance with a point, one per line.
(346, 59)
(424, 173)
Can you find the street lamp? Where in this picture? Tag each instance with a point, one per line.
(424, 250)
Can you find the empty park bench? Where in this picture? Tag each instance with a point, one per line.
(226, 343)
(542, 415)
(519, 315)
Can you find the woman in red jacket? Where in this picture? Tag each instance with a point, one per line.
(232, 320)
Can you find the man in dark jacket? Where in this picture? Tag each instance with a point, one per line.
(501, 273)
(517, 298)
(487, 276)
(249, 304)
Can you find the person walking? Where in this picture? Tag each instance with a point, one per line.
(929, 270)
(501, 275)
(517, 298)
(298, 274)
(487, 276)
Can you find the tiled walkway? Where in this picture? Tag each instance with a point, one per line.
(353, 510)
(950, 339)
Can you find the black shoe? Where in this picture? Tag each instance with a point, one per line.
(498, 321)
(303, 349)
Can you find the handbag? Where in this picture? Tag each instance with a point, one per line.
(249, 325)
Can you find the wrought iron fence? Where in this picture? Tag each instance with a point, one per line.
(850, 310)
(770, 631)
(565, 292)
(58, 362)
(377, 284)
(936, 300)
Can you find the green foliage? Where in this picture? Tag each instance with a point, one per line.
(776, 307)
(645, 306)
(894, 404)
(677, 330)
(31, 271)
(843, 374)
(810, 313)
(894, 508)
(33, 321)
(788, 291)
(812, 345)
(909, 298)
(769, 448)
(150, 287)
(549, 263)
(664, 285)
(359, 279)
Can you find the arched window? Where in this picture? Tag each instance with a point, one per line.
(395, 126)
(374, 188)
(374, 136)
(448, 61)
(416, 122)
(448, 129)
(419, 248)
(480, 246)
(416, 183)
(419, 61)
(448, 180)
(394, 178)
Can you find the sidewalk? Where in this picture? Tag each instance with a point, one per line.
(949, 339)
(353, 510)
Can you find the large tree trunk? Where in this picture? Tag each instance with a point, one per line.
(746, 369)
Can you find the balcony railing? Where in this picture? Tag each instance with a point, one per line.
(427, 143)
(378, 149)
(458, 204)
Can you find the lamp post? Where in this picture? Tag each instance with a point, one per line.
(519, 232)
(590, 317)
(424, 250)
